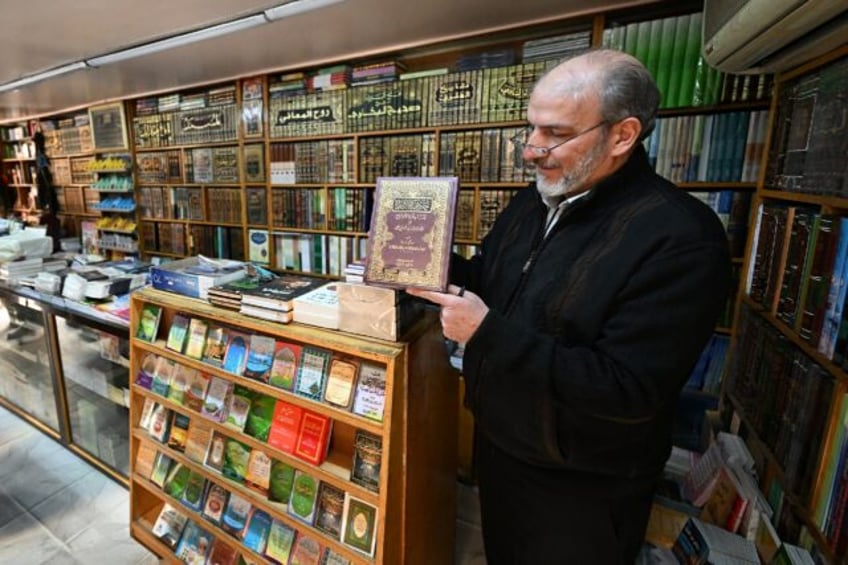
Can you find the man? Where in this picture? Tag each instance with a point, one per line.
(586, 309)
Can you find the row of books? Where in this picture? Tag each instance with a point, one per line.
(217, 241)
(726, 147)
(159, 167)
(310, 372)
(786, 397)
(217, 96)
(349, 209)
(313, 161)
(707, 374)
(305, 252)
(205, 165)
(800, 274)
(670, 48)
(71, 140)
(733, 208)
(164, 237)
(810, 140)
(186, 127)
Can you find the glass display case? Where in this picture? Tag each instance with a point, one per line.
(26, 379)
(65, 367)
(95, 364)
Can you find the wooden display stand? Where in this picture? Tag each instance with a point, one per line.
(416, 500)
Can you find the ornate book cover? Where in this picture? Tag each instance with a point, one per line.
(411, 232)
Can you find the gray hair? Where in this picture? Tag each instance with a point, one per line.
(623, 84)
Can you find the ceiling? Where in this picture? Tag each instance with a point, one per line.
(39, 35)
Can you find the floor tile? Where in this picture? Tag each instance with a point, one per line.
(25, 540)
(9, 509)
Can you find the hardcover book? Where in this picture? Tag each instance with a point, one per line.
(148, 323)
(359, 525)
(279, 293)
(367, 460)
(177, 333)
(412, 226)
(284, 366)
(370, 399)
(313, 438)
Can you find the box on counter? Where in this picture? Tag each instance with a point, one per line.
(193, 276)
(379, 312)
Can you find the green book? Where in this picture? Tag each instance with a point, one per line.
(666, 39)
(148, 323)
(652, 56)
(643, 41)
(631, 35)
(671, 94)
(689, 66)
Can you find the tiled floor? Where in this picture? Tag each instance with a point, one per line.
(56, 509)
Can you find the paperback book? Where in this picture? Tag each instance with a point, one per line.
(284, 367)
(148, 323)
(194, 544)
(193, 494)
(280, 482)
(259, 416)
(179, 431)
(216, 345)
(238, 407)
(214, 405)
(341, 380)
(235, 357)
(312, 373)
(306, 551)
(260, 357)
(370, 398)
(177, 333)
(196, 340)
(359, 525)
(328, 516)
(367, 460)
(216, 501)
(258, 475)
(303, 497)
(257, 530)
(197, 440)
(195, 392)
(235, 515)
(236, 456)
(162, 375)
(169, 525)
(280, 541)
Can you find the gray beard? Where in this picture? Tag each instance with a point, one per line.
(572, 182)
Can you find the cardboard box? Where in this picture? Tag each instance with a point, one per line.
(379, 312)
(190, 277)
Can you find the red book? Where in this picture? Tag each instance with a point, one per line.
(313, 438)
(285, 426)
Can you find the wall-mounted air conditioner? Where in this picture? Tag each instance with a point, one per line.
(755, 36)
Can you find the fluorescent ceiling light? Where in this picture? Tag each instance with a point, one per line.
(297, 7)
(178, 40)
(42, 76)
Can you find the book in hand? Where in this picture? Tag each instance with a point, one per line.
(148, 322)
(370, 397)
(260, 357)
(177, 333)
(284, 367)
(359, 525)
(279, 294)
(328, 515)
(367, 460)
(411, 233)
(304, 496)
(169, 525)
(341, 380)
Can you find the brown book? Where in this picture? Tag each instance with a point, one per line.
(411, 232)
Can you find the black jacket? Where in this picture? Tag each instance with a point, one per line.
(580, 359)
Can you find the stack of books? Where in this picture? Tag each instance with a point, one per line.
(274, 299)
(22, 268)
(319, 307)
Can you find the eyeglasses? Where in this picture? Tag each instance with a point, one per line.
(520, 140)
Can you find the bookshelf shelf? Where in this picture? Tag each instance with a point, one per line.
(414, 501)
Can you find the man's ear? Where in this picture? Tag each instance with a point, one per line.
(625, 134)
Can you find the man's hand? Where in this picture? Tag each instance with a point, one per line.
(461, 314)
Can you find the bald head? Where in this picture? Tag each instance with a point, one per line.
(620, 84)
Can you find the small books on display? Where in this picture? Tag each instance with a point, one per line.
(257, 530)
(236, 514)
(313, 437)
(238, 406)
(312, 372)
(214, 405)
(236, 457)
(216, 345)
(306, 551)
(258, 475)
(162, 375)
(179, 431)
(177, 333)
(280, 542)
(359, 525)
(148, 322)
(194, 544)
(341, 379)
(303, 497)
(195, 391)
(284, 366)
(197, 329)
(328, 516)
(222, 553)
(260, 357)
(235, 357)
(367, 460)
(169, 525)
(412, 226)
(281, 482)
(285, 426)
(197, 440)
(370, 398)
(144, 460)
(216, 501)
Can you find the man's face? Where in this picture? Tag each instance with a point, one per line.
(574, 166)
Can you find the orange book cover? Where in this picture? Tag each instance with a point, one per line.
(285, 426)
(313, 438)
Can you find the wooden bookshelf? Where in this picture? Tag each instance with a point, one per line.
(415, 500)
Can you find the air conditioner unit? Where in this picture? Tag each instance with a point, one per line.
(756, 36)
